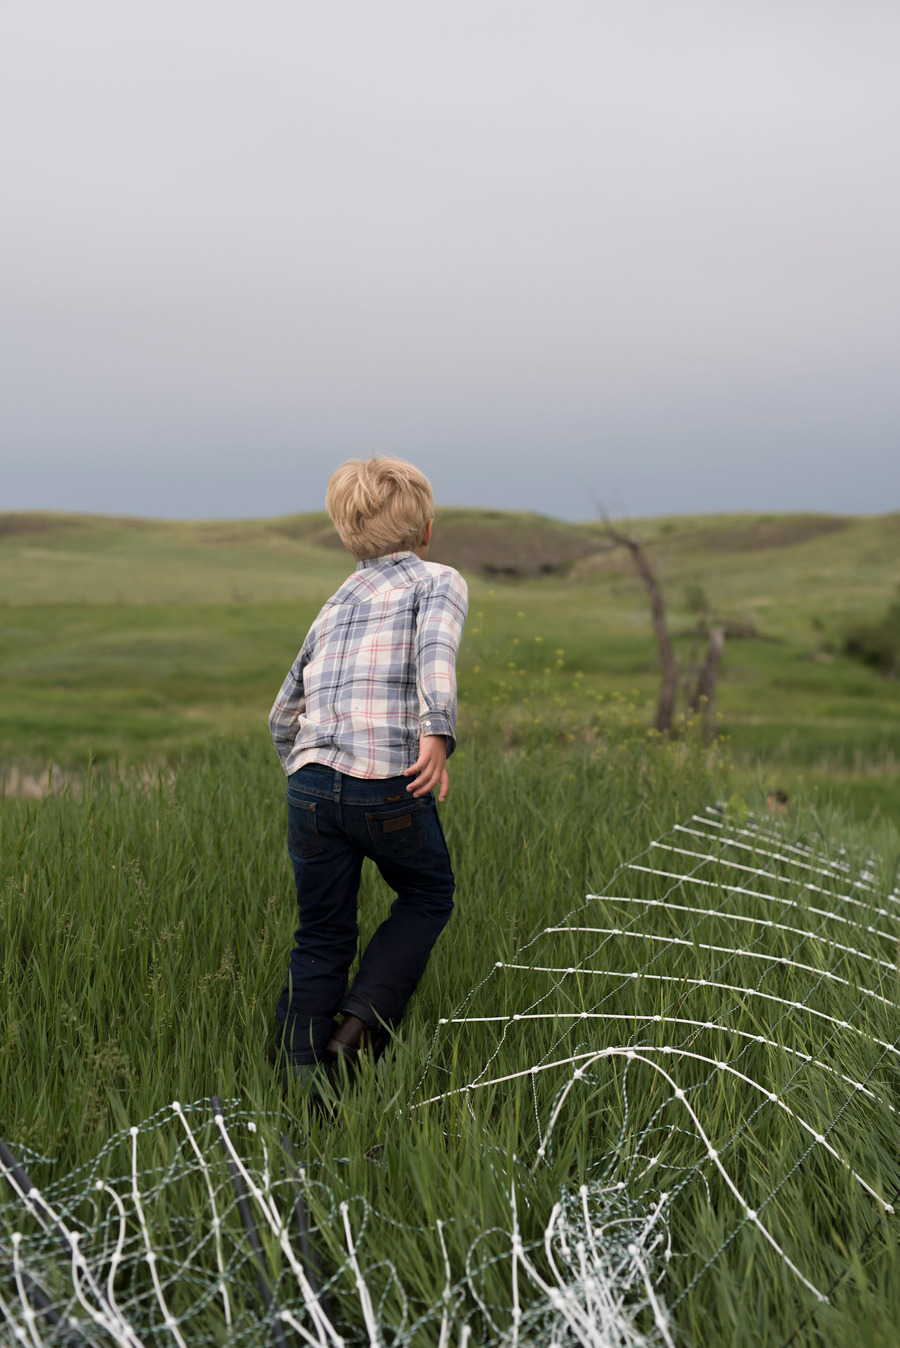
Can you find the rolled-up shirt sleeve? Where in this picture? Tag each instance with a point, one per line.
(440, 620)
(289, 706)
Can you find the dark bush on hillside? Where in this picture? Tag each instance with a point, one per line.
(877, 643)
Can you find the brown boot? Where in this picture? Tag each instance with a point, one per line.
(352, 1037)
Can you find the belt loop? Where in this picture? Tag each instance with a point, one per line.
(336, 786)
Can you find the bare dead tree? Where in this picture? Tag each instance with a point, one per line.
(668, 691)
(705, 689)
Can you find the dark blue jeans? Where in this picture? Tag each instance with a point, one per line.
(334, 823)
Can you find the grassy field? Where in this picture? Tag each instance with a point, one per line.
(139, 639)
(144, 925)
(146, 913)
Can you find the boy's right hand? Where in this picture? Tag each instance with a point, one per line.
(431, 766)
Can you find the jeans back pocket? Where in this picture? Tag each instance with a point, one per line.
(397, 832)
(303, 832)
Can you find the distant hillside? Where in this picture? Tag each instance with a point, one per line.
(141, 637)
(525, 545)
(490, 543)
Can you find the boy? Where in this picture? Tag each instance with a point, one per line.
(363, 725)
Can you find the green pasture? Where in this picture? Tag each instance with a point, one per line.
(145, 921)
(136, 640)
(146, 907)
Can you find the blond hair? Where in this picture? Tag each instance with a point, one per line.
(379, 505)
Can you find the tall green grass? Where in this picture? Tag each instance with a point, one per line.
(147, 916)
(145, 921)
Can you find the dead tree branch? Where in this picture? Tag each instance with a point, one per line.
(668, 692)
(705, 689)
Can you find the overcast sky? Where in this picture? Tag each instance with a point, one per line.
(553, 251)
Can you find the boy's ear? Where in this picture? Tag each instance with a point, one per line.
(426, 537)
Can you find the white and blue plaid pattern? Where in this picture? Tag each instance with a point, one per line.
(376, 671)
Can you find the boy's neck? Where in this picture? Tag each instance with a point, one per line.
(397, 554)
(421, 551)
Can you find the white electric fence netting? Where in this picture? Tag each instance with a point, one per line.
(729, 992)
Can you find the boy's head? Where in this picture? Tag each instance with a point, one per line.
(379, 505)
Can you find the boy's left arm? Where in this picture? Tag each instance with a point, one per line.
(439, 626)
(289, 706)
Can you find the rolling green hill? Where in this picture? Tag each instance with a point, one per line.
(135, 639)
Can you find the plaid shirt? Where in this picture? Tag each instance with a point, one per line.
(376, 671)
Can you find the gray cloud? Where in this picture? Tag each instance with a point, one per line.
(636, 249)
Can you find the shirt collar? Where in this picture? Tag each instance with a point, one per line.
(366, 562)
